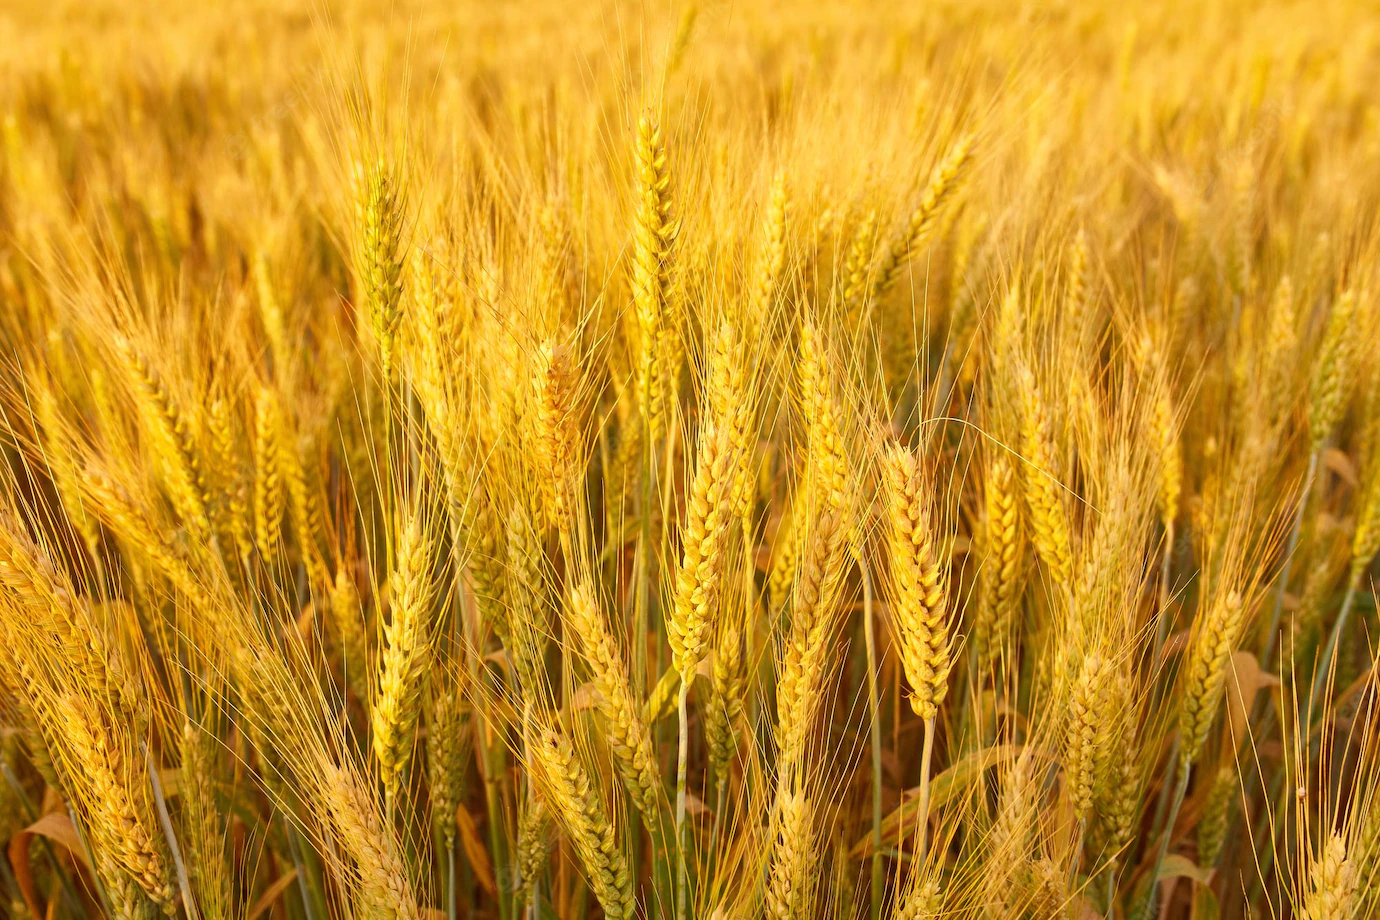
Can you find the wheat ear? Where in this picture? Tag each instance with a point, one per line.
(567, 789)
(405, 658)
(1003, 565)
(1048, 519)
(943, 186)
(381, 887)
(653, 245)
(919, 585)
(628, 736)
(379, 257)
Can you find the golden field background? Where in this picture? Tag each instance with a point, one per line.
(720, 460)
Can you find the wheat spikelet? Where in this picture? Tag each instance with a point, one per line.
(788, 879)
(1212, 827)
(944, 184)
(924, 901)
(1118, 806)
(526, 590)
(627, 734)
(1004, 563)
(21, 707)
(1005, 340)
(1010, 841)
(44, 603)
(405, 657)
(557, 432)
(347, 615)
(1332, 883)
(1085, 733)
(379, 254)
(174, 440)
(534, 840)
(772, 256)
(304, 511)
(828, 473)
(1048, 520)
(268, 483)
(704, 539)
(61, 463)
(1164, 435)
(785, 551)
(487, 552)
(209, 865)
(724, 708)
(652, 269)
(270, 310)
(731, 406)
(684, 31)
(1076, 289)
(552, 264)
(1332, 370)
(382, 888)
(232, 512)
(1205, 672)
(102, 776)
(813, 597)
(918, 614)
(1281, 341)
(625, 467)
(577, 804)
(446, 747)
(859, 261)
(1365, 541)
(113, 504)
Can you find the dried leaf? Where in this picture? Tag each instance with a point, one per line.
(272, 894)
(58, 828)
(475, 850)
(1176, 866)
(1246, 680)
(943, 788)
(1339, 463)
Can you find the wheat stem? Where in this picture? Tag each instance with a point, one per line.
(923, 810)
(875, 731)
(1324, 669)
(682, 838)
(165, 823)
(1179, 791)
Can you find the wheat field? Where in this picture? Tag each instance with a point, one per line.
(689, 460)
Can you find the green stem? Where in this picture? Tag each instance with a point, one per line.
(1153, 883)
(1163, 800)
(295, 851)
(1325, 665)
(492, 765)
(451, 907)
(720, 802)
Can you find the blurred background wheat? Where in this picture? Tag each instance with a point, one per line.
(689, 460)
